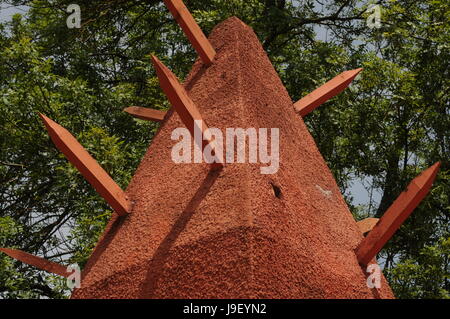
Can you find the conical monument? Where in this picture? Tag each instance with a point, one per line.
(227, 230)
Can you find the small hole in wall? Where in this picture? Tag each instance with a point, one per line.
(276, 190)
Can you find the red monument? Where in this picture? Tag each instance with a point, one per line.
(228, 231)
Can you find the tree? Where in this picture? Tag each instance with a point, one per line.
(387, 127)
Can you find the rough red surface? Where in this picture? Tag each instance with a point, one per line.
(197, 233)
(327, 91)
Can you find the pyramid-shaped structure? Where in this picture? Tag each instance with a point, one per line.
(198, 232)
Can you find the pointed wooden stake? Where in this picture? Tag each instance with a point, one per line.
(183, 105)
(366, 225)
(396, 215)
(192, 30)
(146, 114)
(87, 166)
(37, 262)
(327, 91)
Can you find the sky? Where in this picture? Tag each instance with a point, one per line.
(7, 11)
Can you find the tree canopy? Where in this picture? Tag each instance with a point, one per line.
(392, 123)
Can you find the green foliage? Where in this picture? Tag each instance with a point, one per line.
(392, 122)
(425, 276)
(58, 213)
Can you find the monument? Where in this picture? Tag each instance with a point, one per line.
(224, 230)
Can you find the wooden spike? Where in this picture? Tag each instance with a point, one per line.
(146, 114)
(183, 105)
(37, 262)
(396, 215)
(366, 225)
(87, 166)
(192, 30)
(327, 91)
(179, 98)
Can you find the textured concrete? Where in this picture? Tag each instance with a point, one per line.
(200, 233)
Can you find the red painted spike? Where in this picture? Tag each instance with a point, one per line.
(87, 166)
(327, 91)
(367, 224)
(192, 30)
(146, 114)
(37, 262)
(182, 104)
(396, 215)
(179, 98)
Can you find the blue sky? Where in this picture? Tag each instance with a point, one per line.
(7, 11)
